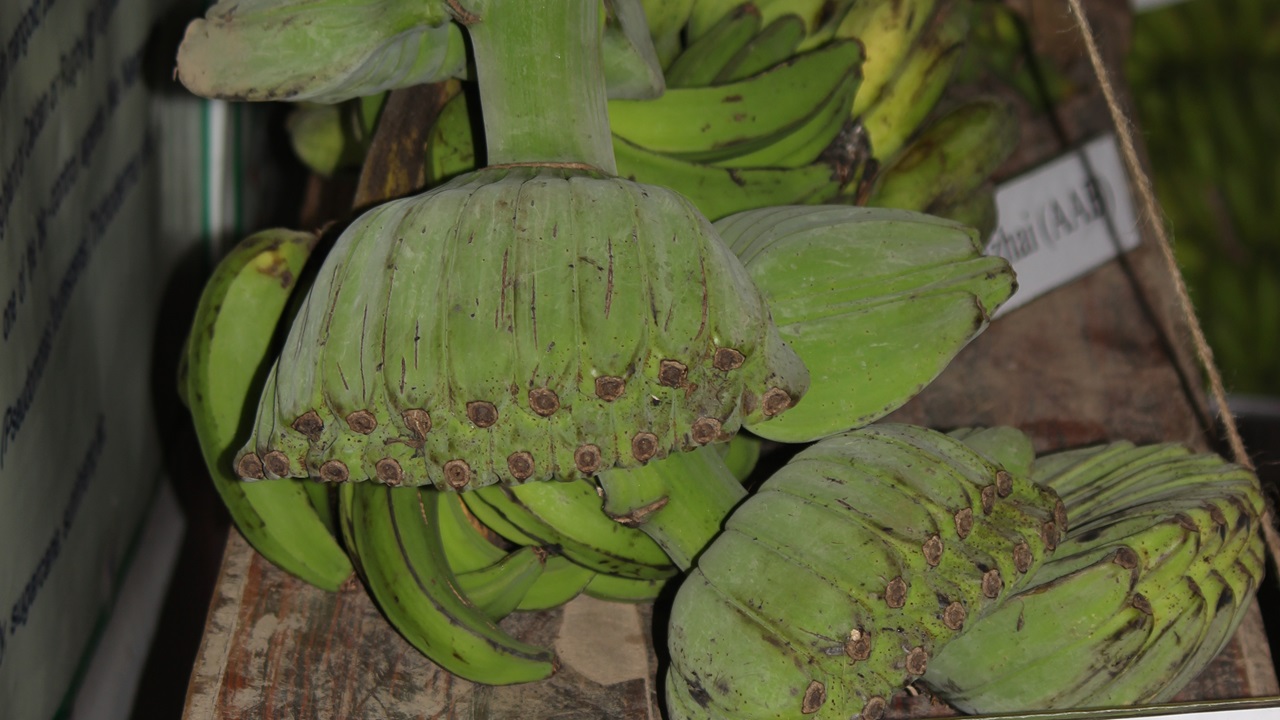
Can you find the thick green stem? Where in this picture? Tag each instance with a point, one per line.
(681, 501)
(541, 78)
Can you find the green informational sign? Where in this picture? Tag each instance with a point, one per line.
(79, 284)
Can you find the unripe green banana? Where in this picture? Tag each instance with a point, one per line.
(806, 142)
(497, 589)
(680, 501)
(704, 58)
(1162, 557)
(723, 121)
(569, 516)
(397, 543)
(561, 581)
(875, 301)
(623, 346)
(316, 50)
(1005, 446)
(467, 547)
(977, 210)
(951, 157)
(776, 42)
(330, 52)
(740, 455)
(720, 192)
(616, 588)
(227, 351)
(328, 138)
(811, 603)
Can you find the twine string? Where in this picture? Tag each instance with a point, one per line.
(1155, 220)
(1151, 211)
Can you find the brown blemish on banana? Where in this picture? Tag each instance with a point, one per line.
(334, 471)
(389, 472)
(457, 473)
(544, 401)
(917, 661)
(672, 373)
(895, 593)
(610, 388)
(276, 463)
(775, 401)
(250, 467)
(992, 583)
(310, 425)
(482, 414)
(520, 464)
(988, 499)
(953, 617)
(362, 421)
(1142, 604)
(1004, 483)
(932, 549)
(858, 646)
(587, 458)
(1060, 515)
(874, 709)
(418, 422)
(727, 359)
(644, 445)
(814, 696)
(1126, 558)
(1049, 535)
(1022, 557)
(964, 522)
(1215, 514)
(705, 430)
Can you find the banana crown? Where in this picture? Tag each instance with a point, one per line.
(515, 324)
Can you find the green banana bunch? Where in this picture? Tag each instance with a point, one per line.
(1160, 562)
(396, 537)
(912, 289)
(452, 150)
(835, 584)
(232, 337)
(622, 346)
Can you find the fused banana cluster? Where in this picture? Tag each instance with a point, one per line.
(468, 336)
(833, 586)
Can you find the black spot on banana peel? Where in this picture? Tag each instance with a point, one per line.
(519, 323)
(836, 584)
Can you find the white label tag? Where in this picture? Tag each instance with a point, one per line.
(1064, 219)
